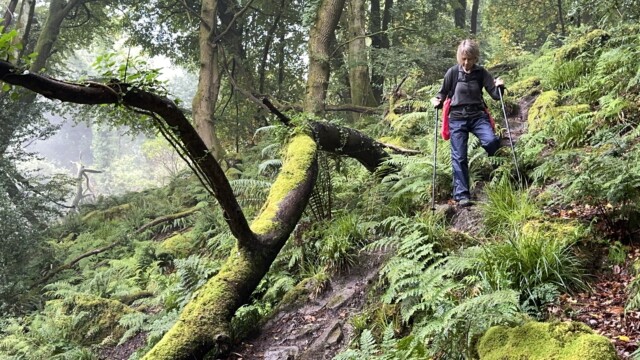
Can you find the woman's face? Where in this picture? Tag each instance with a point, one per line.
(467, 62)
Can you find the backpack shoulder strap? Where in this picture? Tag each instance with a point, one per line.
(453, 80)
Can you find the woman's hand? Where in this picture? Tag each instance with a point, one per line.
(436, 102)
(499, 82)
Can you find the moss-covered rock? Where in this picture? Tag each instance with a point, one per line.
(111, 213)
(178, 245)
(545, 341)
(101, 317)
(539, 113)
(588, 42)
(527, 87)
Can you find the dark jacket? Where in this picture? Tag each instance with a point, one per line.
(467, 99)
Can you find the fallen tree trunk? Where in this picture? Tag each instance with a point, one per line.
(166, 218)
(204, 322)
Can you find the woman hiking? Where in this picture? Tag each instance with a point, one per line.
(463, 85)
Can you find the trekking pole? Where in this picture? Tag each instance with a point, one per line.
(435, 164)
(506, 121)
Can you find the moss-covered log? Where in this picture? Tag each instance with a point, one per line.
(204, 322)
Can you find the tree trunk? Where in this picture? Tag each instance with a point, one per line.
(561, 18)
(319, 55)
(206, 98)
(267, 47)
(27, 44)
(460, 14)
(379, 40)
(204, 322)
(475, 6)
(359, 81)
(9, 13)
(281, 56)
(81, 176)
(58, 10)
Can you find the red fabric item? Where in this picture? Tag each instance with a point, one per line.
(445, 119)
(493, 123)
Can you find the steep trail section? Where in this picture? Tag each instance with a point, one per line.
(314, 327)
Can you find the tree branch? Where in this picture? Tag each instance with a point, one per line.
(166, 218)
(70, 264)
(125, 94)
(214, 40)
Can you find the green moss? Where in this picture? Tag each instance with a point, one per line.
(102, 316)
(207, 316)
(588, 42)
(178, 245)
(109, 214)
(300, 155)
(526, 87)
(567, 232)
(545, 341)
(540, 113)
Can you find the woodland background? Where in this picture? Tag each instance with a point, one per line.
(231, 158)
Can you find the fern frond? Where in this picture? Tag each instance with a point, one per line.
(270, 165)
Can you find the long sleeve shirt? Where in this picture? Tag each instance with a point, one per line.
(467, 101)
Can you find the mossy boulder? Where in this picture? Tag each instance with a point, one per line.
(540, 113)
(178, 245)
(111, 213)
(101, 317)
(527, 87)
(587, 42)
(547, 111)
(545, 341)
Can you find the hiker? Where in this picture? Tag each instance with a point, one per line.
(463, 85)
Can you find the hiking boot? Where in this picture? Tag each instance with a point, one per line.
(464, 202)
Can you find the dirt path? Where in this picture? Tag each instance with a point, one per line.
(318, 328)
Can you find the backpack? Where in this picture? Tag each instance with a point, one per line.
(446, 108)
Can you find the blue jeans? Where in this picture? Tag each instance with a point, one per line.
(459, 130)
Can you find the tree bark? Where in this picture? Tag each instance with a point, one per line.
(379, 40)
(204, 323)
(475, 6)
(561, 18)
(319, 55)
(166, 218)
(460, 14)
(271, 33)
(81, 175)
(358, 61)
(9, 13)
(206, 98)
(58, 10)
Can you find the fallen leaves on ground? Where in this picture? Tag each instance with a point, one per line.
(603, 309)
